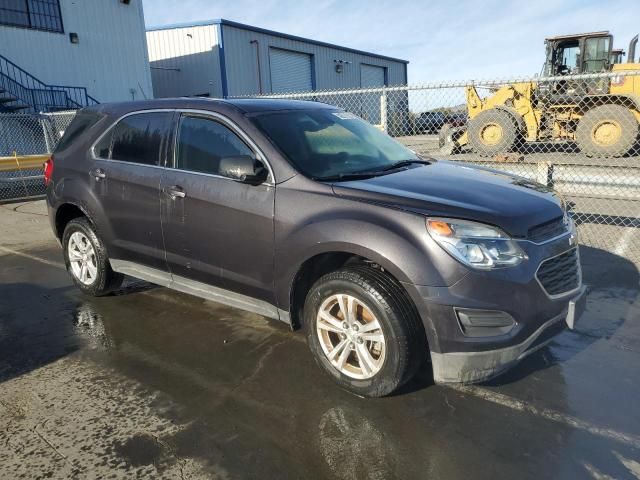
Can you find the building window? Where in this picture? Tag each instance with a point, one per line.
(36, 14)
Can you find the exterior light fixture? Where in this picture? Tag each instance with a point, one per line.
(73, 38)
(339, 67)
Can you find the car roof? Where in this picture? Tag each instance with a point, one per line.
(244, 105)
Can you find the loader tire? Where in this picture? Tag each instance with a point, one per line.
(607, 131)
(492, 132)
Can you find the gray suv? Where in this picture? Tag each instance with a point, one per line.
(305, 213)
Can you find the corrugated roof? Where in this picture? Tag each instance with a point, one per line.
(222, 21)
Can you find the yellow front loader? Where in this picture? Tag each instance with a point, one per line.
(601, 115)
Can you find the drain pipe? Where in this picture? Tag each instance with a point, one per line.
(257, 44)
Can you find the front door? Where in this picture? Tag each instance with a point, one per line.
(217, 230)
(127, 167)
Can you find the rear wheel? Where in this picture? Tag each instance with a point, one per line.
(492, 132)
(607, 131)
(86, 259)
(364, 331)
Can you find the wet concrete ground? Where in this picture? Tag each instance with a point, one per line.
(156, 384)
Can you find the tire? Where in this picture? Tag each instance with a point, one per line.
(376, 296)
(607, 131)
(100, 279)
(492, 132)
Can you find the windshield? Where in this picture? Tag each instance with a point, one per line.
(327, 144)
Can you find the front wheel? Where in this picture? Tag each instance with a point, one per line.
(364, 331)
(492, 132)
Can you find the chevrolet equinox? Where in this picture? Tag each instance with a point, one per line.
(305, 213)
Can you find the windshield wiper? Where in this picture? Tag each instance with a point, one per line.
(372, 173)
(406, 163)
(349, 176)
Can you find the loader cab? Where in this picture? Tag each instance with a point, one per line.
(582, 53)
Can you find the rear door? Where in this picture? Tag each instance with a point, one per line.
(217, 230)
(127, 168)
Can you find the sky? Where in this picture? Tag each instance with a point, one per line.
(450, 40)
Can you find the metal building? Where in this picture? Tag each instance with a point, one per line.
(221, 58)
(59, 54)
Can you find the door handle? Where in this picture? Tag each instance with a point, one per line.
(98, 174)
(175, 191)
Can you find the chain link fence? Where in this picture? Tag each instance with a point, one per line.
(26, 140)
(577, 134)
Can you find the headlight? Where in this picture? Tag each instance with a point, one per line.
(475, 244)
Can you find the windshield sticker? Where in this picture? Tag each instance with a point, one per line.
(346, 115)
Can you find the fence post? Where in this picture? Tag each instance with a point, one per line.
(45, 133)
(545, 173)
(383, 111)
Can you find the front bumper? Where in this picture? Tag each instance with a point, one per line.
(464, 356)
(473, 367)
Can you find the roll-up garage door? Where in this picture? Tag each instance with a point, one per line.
(371, 77)
(290, 71)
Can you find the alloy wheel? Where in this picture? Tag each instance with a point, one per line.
(82, 258)
(351, 336)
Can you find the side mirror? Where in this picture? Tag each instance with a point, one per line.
(244, 169)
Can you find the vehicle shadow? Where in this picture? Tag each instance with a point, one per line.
(34, 327)
(40, 325)
(133, 285)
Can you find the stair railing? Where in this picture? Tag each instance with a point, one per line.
(39, 95)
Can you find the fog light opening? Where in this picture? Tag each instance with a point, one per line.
(484, 323)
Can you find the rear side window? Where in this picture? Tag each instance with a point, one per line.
(80, 123)
(137, 138)
(202, 143)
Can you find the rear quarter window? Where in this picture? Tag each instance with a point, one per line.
(137, 138)
(82, 122)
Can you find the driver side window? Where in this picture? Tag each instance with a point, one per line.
(203, 142)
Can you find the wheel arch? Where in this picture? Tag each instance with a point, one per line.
(318, 264)
(66, 212)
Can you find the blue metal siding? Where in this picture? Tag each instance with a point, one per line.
(221, 60)
(186, 61)
(242, 64)
(110, 60)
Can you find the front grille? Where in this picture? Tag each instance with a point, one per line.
(560, 274)
(547, 230)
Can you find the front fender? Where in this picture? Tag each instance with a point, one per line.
(396, 240)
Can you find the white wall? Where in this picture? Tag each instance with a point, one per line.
(185, 61)
(110, 59)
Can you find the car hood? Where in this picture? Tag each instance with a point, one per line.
(445, 189)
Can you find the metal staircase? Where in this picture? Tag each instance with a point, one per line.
(23, 93)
